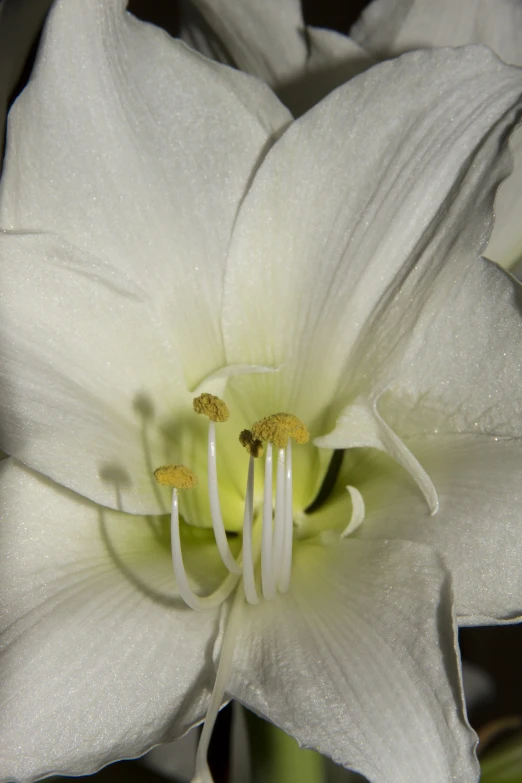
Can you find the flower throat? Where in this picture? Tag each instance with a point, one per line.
(274, 548)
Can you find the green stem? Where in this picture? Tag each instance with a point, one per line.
(277, 758)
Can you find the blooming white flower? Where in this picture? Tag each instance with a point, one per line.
(168, 230)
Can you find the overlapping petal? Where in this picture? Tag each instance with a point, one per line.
(95, 641)
(358, 661)
(90, 378)
(138, 151)
(265, 39)
(478, 529)
(270, 40)
(390, 27)
(361, 216)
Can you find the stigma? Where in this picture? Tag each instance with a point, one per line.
(270, 545)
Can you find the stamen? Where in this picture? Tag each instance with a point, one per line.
(279, 427)
(248, 561)
(202, 773)
(279, 516)
(358, 511)
(215, 506)
(216, 410)
(211, 406)
(286, 565)
(276, 558)
(176, 476)
(267, 574)
(189, 596)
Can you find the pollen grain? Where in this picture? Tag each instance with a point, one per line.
(176, 476)
(253, 445)
(211, 406)
(279, 427)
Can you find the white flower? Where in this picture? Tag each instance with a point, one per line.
(166, 233)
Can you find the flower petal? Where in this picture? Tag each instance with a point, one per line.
(265, 39)
(333, 59)
(89, 379)
(161, 144)
(505, 245)
(390, 27)
(372, 186)
(270, 40)
(478, 529)
(100, 660)
(358, 661)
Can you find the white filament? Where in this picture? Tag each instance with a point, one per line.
(215, 506)
(249, 581)
(358, 511)
(286, 563)
(279, 516)
(202, 772)
(267, 571)
(189, 596)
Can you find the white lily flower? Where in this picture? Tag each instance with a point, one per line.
(167, 230)
(390, 27)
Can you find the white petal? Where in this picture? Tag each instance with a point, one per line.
(358, 662)
(160, 146)
(100, 660)
(505, 245)
(333, 59)
(390, 27)
(478, 529)
(265, 39)
(346, 205)
(90, 379)
(175, 760)
(270, 40)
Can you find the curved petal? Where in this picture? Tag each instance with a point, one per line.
(505, 245)
(389, 27)
(333, 59)
(265, 39)
(89, 379)
(478, 529)
(161, 145)
(358, 661)
(270, 40)
(337, 220)
(99, 661)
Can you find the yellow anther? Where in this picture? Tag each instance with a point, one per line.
(176, 476)
(211, 406)
(251, 444)
(279, 427)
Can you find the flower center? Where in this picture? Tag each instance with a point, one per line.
(274, 550)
